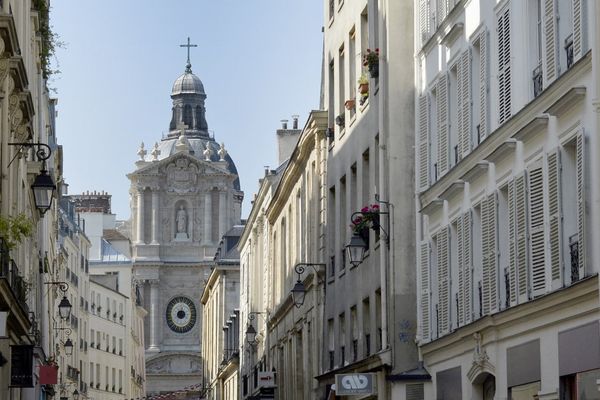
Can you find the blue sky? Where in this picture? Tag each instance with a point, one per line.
(259, 61)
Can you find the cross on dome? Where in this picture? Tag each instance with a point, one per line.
(188, 67)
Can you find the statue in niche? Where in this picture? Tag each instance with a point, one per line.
(181, 220)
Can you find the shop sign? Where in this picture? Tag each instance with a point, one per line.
(352, 384)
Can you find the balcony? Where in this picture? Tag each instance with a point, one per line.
(13, 289)
(574, 253)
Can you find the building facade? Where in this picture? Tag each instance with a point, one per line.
(186, 196)
(220, 330)
(507, 149)
(370, 312)
(28, 262)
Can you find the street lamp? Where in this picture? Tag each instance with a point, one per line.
(356, 250)
(75, 394)
(43, 186)
(299, 290)
(68, 345)
(250, 330)
(357, 246)
(64, 308)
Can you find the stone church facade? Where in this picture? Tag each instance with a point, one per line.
(185, 194)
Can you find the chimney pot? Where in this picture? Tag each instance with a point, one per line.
(284, 124)
(295, 119)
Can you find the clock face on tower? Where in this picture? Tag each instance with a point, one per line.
(181, 314)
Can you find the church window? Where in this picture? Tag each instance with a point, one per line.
(187, 116)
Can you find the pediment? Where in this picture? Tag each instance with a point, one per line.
(202, 166)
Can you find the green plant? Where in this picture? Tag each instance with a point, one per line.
(367, 218)
(15, 228)
(363, 79)
(371, 57)
(50, 40)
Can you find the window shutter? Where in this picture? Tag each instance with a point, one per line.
(443, 281)
(578, 32)
(442, 123)
(423, 143)
(550, 43)
(512, 243)
(483, 85)
(424, 20)
(581, 201)
(520, 209)
(490, 259)
(425, 293)
(555, 218)
(442, 11)
(536, 230)
(464, 104)
(461, 281)
(504, 78)
(466, 266)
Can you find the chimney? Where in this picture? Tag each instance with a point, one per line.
(287, 139)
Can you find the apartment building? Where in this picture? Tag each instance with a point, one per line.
(506, 150)
(370, 307)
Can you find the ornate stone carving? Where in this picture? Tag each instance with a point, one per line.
(481, 361)
(155, 152)
(207, 153)
(182, 176)
(182, 219)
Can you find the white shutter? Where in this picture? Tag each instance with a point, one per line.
(461, 282)
(466, 267)
(425, 293)
(578, 29)
(489, 253)
(442, 125)
(555, 219)
(483, 85)
(424, 20)
(423, 143)
(536, 230)
(520, 209)
(581, 202)
(512, 244)
(442, 11)
(550, 60)
(443, 280)
(504, 73)
(464, 104)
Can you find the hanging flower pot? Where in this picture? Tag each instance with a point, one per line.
(340, 120)
(350, 104)
(363, 88)
(374, 70)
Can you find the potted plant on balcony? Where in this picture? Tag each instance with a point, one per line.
(368, 218)
(340, 120)
(14, 229)
(371, 61)
(350, 104)
(363, 88)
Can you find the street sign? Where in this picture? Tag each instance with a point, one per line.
(351, 384)
(266, 379)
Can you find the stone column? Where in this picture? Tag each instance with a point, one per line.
(155, 219)
(206, 237)
(154, 313)
(222, 213)
(140, 216)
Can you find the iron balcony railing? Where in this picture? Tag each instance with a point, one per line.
(10, 272)
(538, 81)
(574, 253)
(569, 50)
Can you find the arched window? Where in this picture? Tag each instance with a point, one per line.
(187, 116)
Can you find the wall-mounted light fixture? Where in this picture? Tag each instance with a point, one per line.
(64, 307)
(250, 330)
(357, 246)
(299, 290)
(43, 186)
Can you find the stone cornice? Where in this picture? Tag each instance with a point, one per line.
(584, 290)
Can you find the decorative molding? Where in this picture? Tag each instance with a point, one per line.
(567, 101)
(481, 364)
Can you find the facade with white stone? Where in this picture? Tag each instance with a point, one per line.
(507, 153)
(185, 196)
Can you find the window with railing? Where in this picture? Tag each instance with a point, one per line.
(367, 345)
(569, 50)
(331, 359)
(574, 256)
(538, 81)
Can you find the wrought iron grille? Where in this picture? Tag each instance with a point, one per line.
(574, 251)
(538, 81)
(569, 50)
